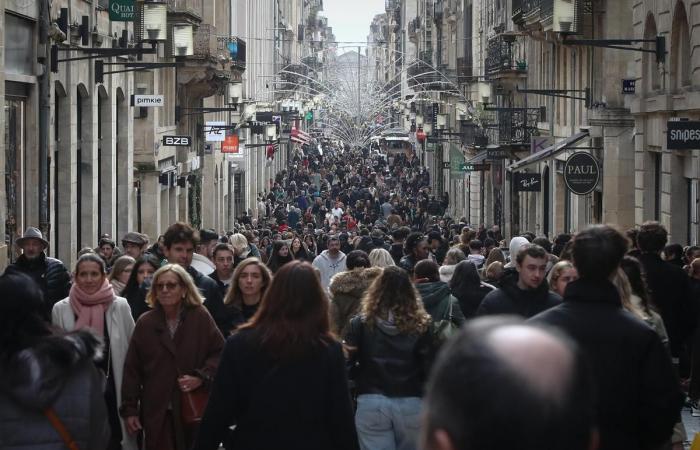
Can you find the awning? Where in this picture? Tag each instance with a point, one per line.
(550, 151)
(478, 159)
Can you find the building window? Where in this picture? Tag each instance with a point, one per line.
(680, 49)
(650, 69)
(20, 51)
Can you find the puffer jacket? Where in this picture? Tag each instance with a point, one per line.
(57, 372)
(50, 274)
(347, 289)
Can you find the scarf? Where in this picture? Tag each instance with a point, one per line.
(90, 309)
(118, 286)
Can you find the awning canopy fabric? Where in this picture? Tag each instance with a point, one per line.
(550, 151)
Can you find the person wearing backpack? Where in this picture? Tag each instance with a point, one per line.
(436, 295)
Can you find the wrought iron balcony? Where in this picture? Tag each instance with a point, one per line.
(500, 61)
(473, 136)
(513, 126)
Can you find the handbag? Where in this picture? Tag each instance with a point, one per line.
(193, 404)
(443, 329)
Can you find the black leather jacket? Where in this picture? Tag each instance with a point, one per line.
(387, 361)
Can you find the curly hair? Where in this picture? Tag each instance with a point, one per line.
(392, 292)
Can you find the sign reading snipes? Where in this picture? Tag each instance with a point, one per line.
(122, 10)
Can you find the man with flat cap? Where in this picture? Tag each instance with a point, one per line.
(134, 244)
(50, 274)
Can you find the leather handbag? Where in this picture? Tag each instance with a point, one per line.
(193, 404)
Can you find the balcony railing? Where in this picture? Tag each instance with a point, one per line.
(499, 57)
(513, 126)
(188, 6)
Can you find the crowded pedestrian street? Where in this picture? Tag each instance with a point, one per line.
(315, 225)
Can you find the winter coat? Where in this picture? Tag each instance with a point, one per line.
(297, 404)
(638, 394)
(50, 274)
(670, 293)
(213, 300)
(329, 267)
(437, 300)
(387, 361)
(120, 326)
(347, 289)
(154, 362)
(56, 372)
(469, 289)
(510, 299)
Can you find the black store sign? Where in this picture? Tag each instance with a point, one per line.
(177, 141)
(433, 118)
(581, 173)
(683, 135)
(527, 182)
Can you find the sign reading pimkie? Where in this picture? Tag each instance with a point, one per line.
(147, 101)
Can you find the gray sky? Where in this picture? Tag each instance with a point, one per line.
(351, 19)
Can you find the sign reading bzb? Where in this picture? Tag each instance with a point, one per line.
(683, 135)
(581, 173)
(146, 101)
(177, 141)
(527, 182)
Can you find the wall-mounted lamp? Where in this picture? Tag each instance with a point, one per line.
(155, 19)
(183, 40)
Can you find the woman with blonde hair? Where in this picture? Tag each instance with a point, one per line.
(562, 273)
(175, 349)
(380, 257)
(248, 286)
(241, 247)
(390, 345)
(121, 271)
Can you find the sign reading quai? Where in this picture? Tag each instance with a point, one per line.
(581, 173)
(527, 182)
(122, 10)
(683, 135)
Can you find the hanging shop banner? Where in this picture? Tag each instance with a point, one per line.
(683, 135)
(214, 131)
(147, 101)
(230, 145)
(497, 153)
(527, 182)
(177, 141)
(468, 167)
(456, 160)
(122, 10)
(581, 173)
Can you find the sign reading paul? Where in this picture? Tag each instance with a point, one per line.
(581, 173)
(122, 10)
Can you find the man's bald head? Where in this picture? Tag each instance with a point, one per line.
(500, 374)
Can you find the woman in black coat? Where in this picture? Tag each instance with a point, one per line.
(467, 286)
(280, 256)
(281, 379)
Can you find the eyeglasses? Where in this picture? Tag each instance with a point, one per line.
(162, 286)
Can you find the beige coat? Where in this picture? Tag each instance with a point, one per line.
(120, 326)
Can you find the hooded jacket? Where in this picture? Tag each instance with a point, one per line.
(57, 372)
(510, 299)
(329, 267)
(347, 289)
(437, 299)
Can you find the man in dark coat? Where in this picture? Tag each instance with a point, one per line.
(50, 274)
(180, 241)
(669, 285)
(524, 291)
(638, 394)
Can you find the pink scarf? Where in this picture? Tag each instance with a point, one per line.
(90, 309)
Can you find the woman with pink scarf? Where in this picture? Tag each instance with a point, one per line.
(91, 304)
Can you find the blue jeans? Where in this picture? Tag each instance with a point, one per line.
(386, 423)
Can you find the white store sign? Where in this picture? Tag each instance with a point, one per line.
(148, 101)
(214, 134)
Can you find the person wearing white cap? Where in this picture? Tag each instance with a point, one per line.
(50, 274)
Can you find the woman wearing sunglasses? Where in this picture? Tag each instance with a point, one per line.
(175, 349)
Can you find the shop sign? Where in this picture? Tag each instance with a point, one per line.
(683, 135)
(230, 144)
(214, 131)
(147, 101)
(527, 182)
(177, 141)
(496, 153)
(445, 164)
(433, 118)
(629, 86)
(122, 10)
(539, 143)
(467, 167)
(581, 173)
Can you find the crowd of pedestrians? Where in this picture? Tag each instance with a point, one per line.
(350, 311)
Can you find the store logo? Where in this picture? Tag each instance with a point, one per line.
(581, 173)
(683, 135)
(527, 182)
(122, 10)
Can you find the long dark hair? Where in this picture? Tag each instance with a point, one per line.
(465, 279)
(132, 287)
(637, 278)
(276, 261)
(293, 315)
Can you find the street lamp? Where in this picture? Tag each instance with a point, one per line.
(235, 93)
(155, 19)
(271, 132)
(183, 40)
